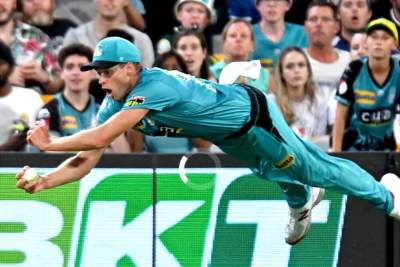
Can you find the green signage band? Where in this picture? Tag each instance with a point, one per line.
(106, 219)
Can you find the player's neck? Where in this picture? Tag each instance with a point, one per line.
(296, 94)
(324, 54)
(346, 34)
(273, 30)
(379, 66)
(77, 99)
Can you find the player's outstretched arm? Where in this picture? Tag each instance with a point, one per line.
(72, 169)
(91, 139)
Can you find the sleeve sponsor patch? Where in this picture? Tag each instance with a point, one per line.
(135, 100)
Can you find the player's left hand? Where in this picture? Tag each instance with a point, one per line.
(38, 135)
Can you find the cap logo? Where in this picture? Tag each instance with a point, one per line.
(98, 51)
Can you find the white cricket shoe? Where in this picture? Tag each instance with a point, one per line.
(300, 218)
(392, 183)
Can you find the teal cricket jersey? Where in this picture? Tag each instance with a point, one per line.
(268, 52)
(181, 105)
(372, 106)
(65, 119)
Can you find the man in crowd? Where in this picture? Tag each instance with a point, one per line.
(36, 64)
(273, 34)
(354, 16)
(40, 13)
(107, 18)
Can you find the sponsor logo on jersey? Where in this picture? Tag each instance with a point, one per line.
(376, 116)
(69, 122)
(167, 131)
(365, 97)
(286, 162)
(136, 100)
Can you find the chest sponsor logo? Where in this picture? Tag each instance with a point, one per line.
(69, 122)
(375, 116)
(136, 100)
(364, 97)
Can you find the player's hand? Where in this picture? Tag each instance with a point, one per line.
(39, 136)
(29, 187)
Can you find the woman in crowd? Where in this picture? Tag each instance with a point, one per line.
(238, 44)
(170, 61)
(192, 47)
(296, 97)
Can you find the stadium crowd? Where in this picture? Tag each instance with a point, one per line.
(335, 74)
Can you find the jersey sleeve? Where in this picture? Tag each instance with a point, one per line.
(154, 95)
(345, 92)
(108, 108)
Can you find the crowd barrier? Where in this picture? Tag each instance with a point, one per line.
(140, 210)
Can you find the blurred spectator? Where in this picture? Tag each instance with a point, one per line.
(327, 63)
(191, 14)
(36, 63)
(273, 34)
(192, 47)
(369, 94)
(296, 96)
(171, 61)
(40, 13)
(389, 9)
(133, 14)
(107, 18)
(82, 11)
(73, 109)
(358, 46)
(354, 16)
(238, 44)
(18, 106)
(245, 9)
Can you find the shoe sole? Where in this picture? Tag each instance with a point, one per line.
(320, 196)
